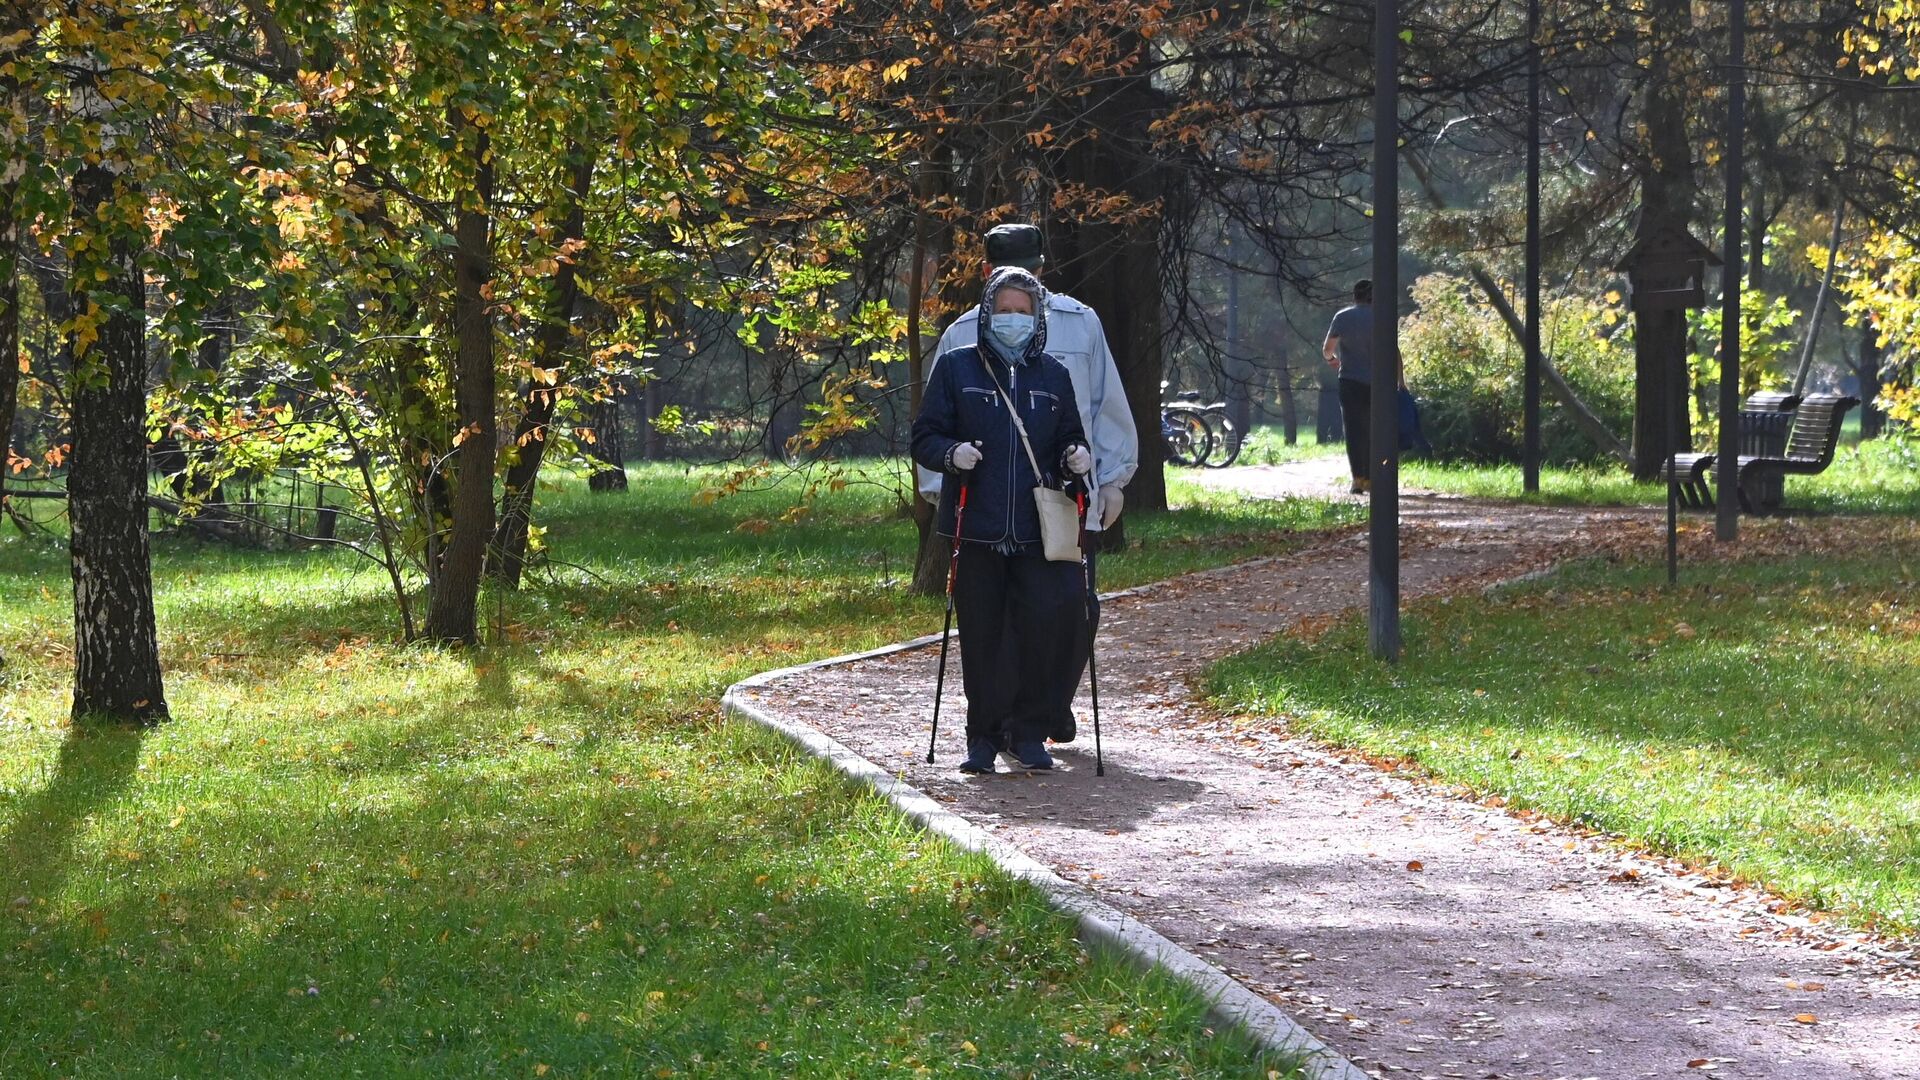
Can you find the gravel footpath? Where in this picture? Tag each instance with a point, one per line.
(1417, 933)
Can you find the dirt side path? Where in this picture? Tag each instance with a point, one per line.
(1514, 950)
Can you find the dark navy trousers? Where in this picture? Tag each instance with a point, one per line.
(1021, 626)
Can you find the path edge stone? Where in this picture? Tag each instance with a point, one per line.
(1099, 925)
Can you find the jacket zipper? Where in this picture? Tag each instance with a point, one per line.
(1013, 460)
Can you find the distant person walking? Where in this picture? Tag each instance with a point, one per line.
(1349, 348)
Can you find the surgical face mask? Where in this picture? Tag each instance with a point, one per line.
(1012, 329)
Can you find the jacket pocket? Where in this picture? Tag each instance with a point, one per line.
(981, 395)
(1038, 400)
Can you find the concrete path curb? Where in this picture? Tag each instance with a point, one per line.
(1100, 925)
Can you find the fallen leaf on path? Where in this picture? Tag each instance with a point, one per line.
(1416, 866)
(1806, 1018)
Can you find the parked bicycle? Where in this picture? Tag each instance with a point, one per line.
(1198, 434)
(1184, 429)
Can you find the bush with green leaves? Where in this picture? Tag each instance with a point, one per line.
(1466, 369)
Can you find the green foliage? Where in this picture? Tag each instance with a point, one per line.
(1762, 723)
(1466, 369)
(1266, 444)
(1881, 280)
(1768, 349)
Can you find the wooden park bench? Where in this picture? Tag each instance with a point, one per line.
(1780, 434)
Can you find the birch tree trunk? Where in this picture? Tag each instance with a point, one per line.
(116, 647)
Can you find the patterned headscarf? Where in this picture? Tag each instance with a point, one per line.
(1013, 277)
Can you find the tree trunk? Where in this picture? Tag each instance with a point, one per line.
(1805, 367)
(9, 325)
(1140, 359)
(783, 410)
(651, 448)
(1239, 366)
(451, 615)
(609, 446)
(542, 396)
(1867, 370)
(116, 647)
(10, 174)
(1666, 201)
(931, 553)
(1289, 409)
(1329, 423)
(1115, 269)
(193, 476)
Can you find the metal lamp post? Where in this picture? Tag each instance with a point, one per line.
(1383, 541)
(1530, 390)
(1726, 521)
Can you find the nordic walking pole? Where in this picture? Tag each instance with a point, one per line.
(1093, 667)
(946, 629)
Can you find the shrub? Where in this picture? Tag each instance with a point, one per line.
(1466, 369)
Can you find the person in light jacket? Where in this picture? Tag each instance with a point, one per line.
(1020, 613)
(1076, 338)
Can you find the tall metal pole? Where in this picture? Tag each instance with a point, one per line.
(1726, 523)
(1530, 399)
(1239, 394)
(1383, 542)
(1676, 407)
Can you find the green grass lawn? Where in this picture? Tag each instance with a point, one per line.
(1267, 445)
(550, 857)
(1880, 477)
(1764, 723)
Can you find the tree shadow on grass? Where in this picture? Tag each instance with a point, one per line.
(95, 766)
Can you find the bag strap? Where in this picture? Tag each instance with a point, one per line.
(1013, 409)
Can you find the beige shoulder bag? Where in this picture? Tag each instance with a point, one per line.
(1059, 516)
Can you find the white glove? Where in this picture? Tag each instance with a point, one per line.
(1110, 503)
(1079, 462)
(965, 456)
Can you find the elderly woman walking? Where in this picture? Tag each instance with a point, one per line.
(970, 427)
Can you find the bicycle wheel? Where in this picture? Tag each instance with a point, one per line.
(1227, 439)
(1186, 435)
